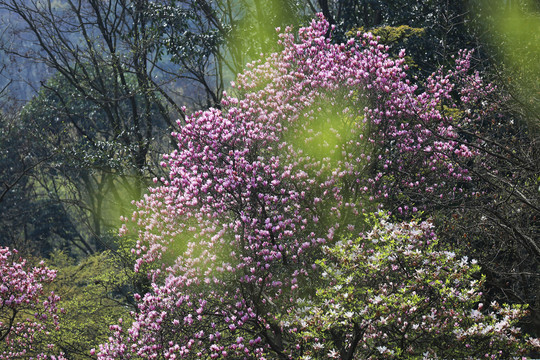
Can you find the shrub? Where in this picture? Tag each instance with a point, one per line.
(393, 294)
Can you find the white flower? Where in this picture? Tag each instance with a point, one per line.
(475, 314)
(534, 342)
(333, 354)
(501, 325)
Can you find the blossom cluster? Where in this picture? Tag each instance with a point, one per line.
(27, 314)
(316, 135)
(393, 293)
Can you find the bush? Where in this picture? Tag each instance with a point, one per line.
(393, 294)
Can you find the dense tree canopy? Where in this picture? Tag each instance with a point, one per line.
(254, 241)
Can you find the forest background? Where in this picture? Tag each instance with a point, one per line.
(91, 91)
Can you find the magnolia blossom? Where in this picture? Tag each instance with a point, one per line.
(310, 138)
(27, 313)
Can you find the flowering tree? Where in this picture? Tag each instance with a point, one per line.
(392, 294)
(317, 134)
(27, 315)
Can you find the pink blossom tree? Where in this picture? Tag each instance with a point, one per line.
(27, 313)
(316, 135)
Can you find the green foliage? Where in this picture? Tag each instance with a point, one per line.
(30, 221)
(94, 294)
(178, 32)
(443, 26)
(73, 120)
(92, 165)
(390, 35)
